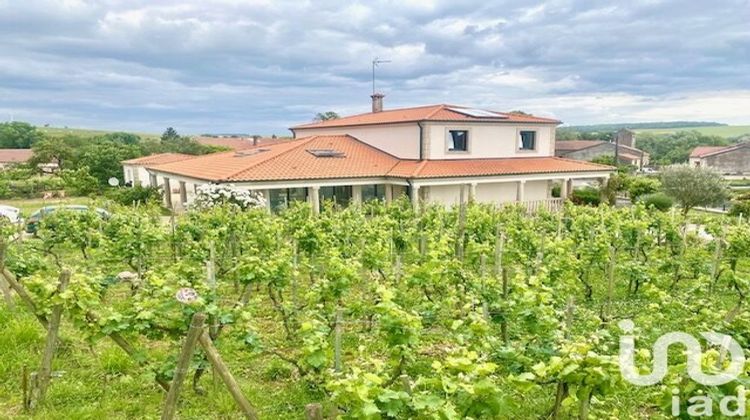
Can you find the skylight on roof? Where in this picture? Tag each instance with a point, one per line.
(478, 113)
(326, 153)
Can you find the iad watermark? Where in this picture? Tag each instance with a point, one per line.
(699, 405)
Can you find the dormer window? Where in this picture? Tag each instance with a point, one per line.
(458, 140)
(527, 140)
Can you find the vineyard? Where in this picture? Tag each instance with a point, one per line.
(371, 312)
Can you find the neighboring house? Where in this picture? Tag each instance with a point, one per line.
(729, 160)
(430, 153)
(135, 172)
(592, 149)
(11, 157)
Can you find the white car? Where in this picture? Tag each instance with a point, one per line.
(11, 213)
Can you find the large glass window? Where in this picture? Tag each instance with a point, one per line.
(373, 192)
(282, 198)
(527, 140)
(458, 140)
(341, 195)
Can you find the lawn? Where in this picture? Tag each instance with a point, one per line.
(723, 130)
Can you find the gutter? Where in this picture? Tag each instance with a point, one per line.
(421, 140)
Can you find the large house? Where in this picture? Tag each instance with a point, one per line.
(436, 153)
(729, 160)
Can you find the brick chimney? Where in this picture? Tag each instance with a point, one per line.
(377, 102)
(255, 140)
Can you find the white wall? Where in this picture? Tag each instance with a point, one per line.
(496, 193)
(488, 140)
(400, 140)
(135, 173)
(445, 194)
(492, 193)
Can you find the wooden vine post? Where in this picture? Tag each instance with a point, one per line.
(4, 284)
(461, 225)
(183, 363)
(39, 391)
(226, 376)
(502, 274)
(337, 341)
(314, 412)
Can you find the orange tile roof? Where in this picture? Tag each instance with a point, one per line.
(704, 151)
(489, 167)
(293, 160)
(575, 145)
(158, 159)
(15, 155)
(441, 112)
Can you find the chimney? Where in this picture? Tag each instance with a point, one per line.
(255, 140)
(377, 102)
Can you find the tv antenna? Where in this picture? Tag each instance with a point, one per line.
(375, 62)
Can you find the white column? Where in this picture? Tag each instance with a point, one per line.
(415, 196)
(267, 197)
(167, 193)
(356, 194)
(565, 188)
(520, 191)
(314, 193)
(153, 181)
(388, 193)
(472, 192)
(183, 194)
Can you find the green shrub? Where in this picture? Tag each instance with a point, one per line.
(588, 196)
(740, 207)
(556, 189)
(136, 195)
(79, 181)
(659, 201)
(642, 185)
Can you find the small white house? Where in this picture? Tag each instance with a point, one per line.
(135, 172)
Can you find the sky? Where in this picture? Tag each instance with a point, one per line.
(261, 66)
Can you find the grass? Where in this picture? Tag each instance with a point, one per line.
(722, 131)
(29, 205)
(83, 132)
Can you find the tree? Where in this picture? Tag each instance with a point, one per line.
(641, 185)
(103, 157)
(18, 135)
(693, 186)
(169, 134)
(123, 138)
(61, 150)
(325, 116)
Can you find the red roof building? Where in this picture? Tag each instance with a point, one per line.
(428, 153)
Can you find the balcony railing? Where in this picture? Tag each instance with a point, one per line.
(551, 205)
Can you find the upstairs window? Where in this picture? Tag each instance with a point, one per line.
(458, 140)
(527, 140)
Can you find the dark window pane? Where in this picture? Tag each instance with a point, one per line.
(340, 195)
(459, 140)
(528, 140)
(373, 192)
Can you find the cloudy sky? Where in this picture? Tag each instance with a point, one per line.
(259, 66)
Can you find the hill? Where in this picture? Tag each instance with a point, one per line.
(664, 125)
(728, 131)
(84, 132)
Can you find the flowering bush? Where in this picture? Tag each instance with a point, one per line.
(211, 195)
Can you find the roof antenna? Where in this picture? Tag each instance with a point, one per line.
(375, 62)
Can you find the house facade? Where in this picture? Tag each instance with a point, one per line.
(135, 171)
(591, 149)
(729, 160)
(437, 153)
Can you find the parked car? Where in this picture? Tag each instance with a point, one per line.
(32, 224)
(11, 213)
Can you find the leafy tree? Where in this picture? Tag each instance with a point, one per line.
(18, 135)
(325, 116)
(122, 138)
(103, 159)
(659, 201)
(667, 149)
(79, 181)
(169, 134)
(62, 150)
(693, 186)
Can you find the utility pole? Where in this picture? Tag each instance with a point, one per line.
(375, 62)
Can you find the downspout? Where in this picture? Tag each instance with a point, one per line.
(421, 141)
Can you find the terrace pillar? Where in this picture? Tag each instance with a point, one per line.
(183, 194)
(356, 194)
(472, 192)
(565, 189)
(521, 191)
(167, 193)
(415, 197)
(314, 193)
(388, 193)
(267, 198)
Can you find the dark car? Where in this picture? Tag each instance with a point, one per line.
(32, 223)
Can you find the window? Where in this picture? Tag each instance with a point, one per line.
(373, 192)
(282, 198)
(527, 140)
(458, 140)
(340, 195)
